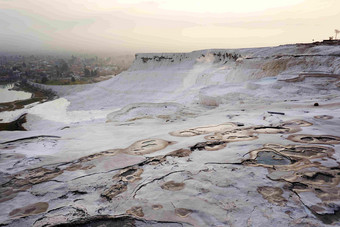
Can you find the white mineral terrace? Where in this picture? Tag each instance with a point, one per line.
(239, 137)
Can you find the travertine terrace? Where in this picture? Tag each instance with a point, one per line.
(237, 137)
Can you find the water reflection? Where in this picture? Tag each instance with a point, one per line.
(8, 95)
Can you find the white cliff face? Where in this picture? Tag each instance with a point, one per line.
(183, 77)
(245, 137)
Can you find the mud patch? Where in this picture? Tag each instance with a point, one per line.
(114, 190)
(315, 139)
(267, 157)
(172, 186)
(157, 207)
(24, 180)
(155, 160)
(129, 175)
(242, 134)
(309, 152)
(250, 133)
(203, 130)
(183, 212)
(15, 125)
(180, 153)
(8, 193)
(5, 157)
(76, 167)
(273, 129)
(273, 195)
(323, 117)
(136, 211)
(108, 221)
(31, 209)
(315, 184)
(164, 111)
(147, 146)
(101, 221)
(300, 123)
(209, 146)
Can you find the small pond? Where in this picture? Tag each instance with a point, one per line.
(8, 95)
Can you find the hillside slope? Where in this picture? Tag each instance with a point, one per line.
(246, 137)
(179, 77)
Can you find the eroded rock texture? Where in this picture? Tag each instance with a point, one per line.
(219, 138)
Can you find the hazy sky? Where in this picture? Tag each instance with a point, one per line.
(96, 26)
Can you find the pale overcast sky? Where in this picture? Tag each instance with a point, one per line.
(97, 26)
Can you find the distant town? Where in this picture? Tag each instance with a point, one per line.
(54, 70)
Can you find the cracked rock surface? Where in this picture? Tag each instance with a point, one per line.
(254, 153)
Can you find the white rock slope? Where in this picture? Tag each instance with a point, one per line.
(246, 137)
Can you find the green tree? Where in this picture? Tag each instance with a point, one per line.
(87, 72)
(44, 80)
(64, 67)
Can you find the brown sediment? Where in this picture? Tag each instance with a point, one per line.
(114, 190)
(124, 220)
(323, 117)
(180, 153)
(130, 175)
(155, 160)
(15, 125)
(314, 139)
(138, 148)
(231, 132)
(221, 137)
(47, 175)
(239, 134)
(97, 155)
(136, 211)
(157, 206)
(183, 212)
(147, 146)
(8, 193)
(300, 123)
(10, 156)
(31, 209)
(33, 176)
(209, 146)
(268, 157)
(19, 104)
(203, 130)
(273, 195)
(273, 129)
(274, 67)
(303, 151)
(172, 186)
(139, 118)
(305, 174)
(249, 133)
(24, 180)
(303, 76)
(76, 167)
